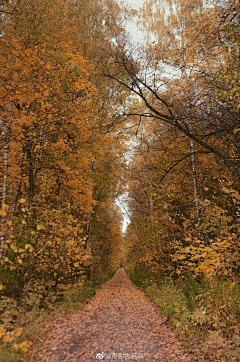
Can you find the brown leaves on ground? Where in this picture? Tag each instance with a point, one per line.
(119, 323)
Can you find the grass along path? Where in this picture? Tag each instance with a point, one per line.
(119, 323)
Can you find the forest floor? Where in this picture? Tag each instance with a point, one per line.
(119, 323)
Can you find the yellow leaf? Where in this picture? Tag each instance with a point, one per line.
(5, 206)
(3, 213)
(8, 338)
(18, 332)
(2, 331)
(236, 130)
(207, 248)
(1, 288)
(29, 246)
(24, 346)
(22, 201)
(14, 248)
(180, 257)
(197, 241)
(40, 227)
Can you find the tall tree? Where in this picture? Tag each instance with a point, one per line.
(54, 128)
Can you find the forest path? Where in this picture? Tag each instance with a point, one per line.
(119, 324)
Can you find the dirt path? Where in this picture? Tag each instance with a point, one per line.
(119, 324)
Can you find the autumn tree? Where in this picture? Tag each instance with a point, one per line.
(177, 77)
(163, 212)
(54, 131)
(177, 74)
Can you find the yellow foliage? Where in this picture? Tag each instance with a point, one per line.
(2, 331)
(18, 331)
(8, 338)
(24, 346)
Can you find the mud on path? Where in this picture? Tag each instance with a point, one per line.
(119, 324)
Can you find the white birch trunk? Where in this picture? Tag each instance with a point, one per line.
(18, 189)
(89, 226)
(194, 177)
(5, 135)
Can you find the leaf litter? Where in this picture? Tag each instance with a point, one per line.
(119, 323)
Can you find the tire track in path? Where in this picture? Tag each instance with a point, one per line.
(119, 324)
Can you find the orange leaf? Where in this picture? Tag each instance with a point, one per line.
(2, 331)
(8, 338)
(18, 331)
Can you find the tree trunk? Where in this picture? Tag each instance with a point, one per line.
(194, 177)
(6, 137)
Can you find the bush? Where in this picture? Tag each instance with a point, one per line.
(36, 295)
(202, 312)
(8, 311)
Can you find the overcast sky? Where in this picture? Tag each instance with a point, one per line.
(121, 200)
(135, 2)
(132, 27)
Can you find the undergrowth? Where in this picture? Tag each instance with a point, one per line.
(206, 316)
(25, 321)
